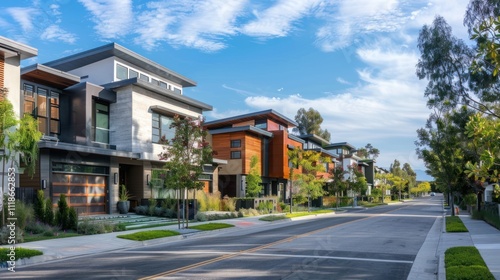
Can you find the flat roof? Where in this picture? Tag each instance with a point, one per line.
(10, 48)
(268, 114)
(113, 49)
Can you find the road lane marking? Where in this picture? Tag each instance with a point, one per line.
(252, 250)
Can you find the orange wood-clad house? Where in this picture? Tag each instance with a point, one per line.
(264, 134)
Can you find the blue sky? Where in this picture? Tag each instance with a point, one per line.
(353, 60)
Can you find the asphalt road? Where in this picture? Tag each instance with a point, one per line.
(377, 243)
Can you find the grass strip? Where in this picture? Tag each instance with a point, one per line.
(455, 224)
(211, 226)
(20, 253)
(147, 235)
(465, 263)
(271, 218)
(301, 214)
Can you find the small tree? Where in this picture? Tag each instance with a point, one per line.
(185, 156)
(337, 184)
(62, 212)
(253, 179)
(294, 157)
(310, 184)
(39, 206)
(48, 215)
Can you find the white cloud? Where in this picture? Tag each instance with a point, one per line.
(55, 33)
(189, 23)
(24, 16)
(277, 21)
(343, 81)
(112, 17)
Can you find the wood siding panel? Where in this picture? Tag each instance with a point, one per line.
(252, 146)
(277, 155)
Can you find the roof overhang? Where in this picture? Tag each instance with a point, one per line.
(315, 138)
(43, 74)
(10, 48)
(162, 91)
(267, 114)
(86, 149)
(248, 128)
(90, 56)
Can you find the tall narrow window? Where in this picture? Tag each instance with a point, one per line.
(29, 100)
(41, 108)
(54, 112)
(161, 128)
(101, 122)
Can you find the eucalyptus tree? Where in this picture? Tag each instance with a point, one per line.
(446, 62)
(309, 122)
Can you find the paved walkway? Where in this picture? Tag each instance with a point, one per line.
(431, 255)
(483, 236)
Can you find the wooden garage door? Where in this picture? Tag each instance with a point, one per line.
(86, 193)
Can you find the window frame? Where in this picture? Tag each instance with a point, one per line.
(236, 154)
(157, 125)
(236, 143)
(94, 120)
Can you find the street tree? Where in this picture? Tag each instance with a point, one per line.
(309, 183)
(294, 157)
(384, 180)
(253, 178)
(440, 146)
(184, 157)
(309, 122)
(337, 184)
(484, 132)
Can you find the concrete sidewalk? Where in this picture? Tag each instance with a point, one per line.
(429, 262)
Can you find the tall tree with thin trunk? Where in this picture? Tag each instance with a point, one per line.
(185, 156)
(253, 178)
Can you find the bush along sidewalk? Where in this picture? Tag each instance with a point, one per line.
(465, 263)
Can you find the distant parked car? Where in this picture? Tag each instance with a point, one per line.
(433, 194)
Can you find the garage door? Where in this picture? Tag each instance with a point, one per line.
(86, 193)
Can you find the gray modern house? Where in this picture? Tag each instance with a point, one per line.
(102, 113)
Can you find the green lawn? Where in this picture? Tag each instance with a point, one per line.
(211, 226)
(454, 224)
(21, 253)
(147, 235)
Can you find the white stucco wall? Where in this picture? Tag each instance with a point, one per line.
(142, 121)
(101, 72)
(12, 75)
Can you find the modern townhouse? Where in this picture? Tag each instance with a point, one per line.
(263, 134)
(11, 55)
(313, 142)
(102, 113)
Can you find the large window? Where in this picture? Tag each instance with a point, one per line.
(161, 128)
(101, 122)
(43, 105)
